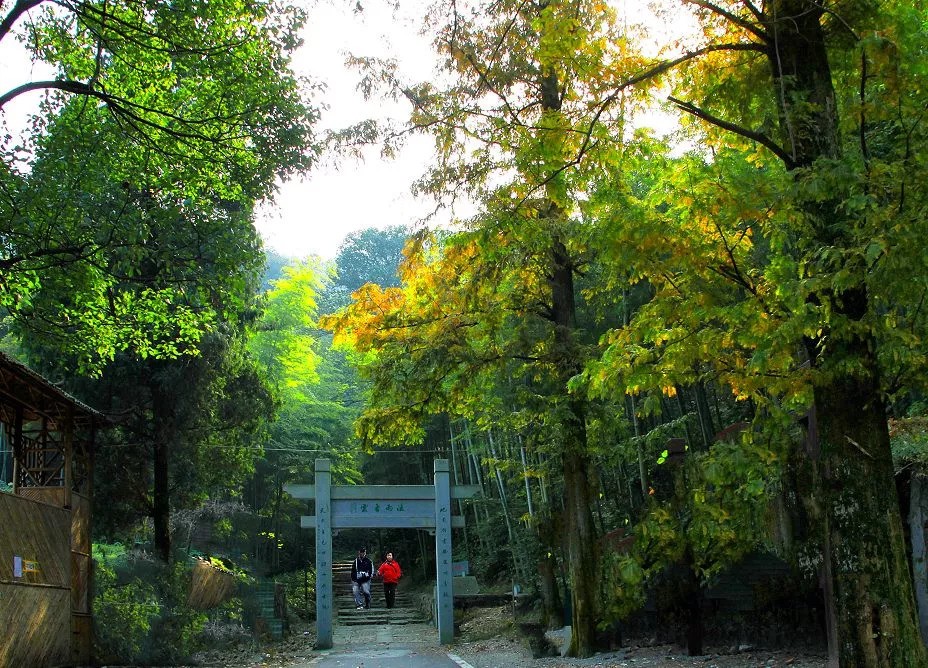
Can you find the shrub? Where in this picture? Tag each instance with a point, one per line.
(225, 626)
(122, 616)
(143, 623)
(177, 631)
(300, 587)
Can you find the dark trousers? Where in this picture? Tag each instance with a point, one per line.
(389, 593)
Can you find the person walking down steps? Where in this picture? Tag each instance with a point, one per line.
(362, 570)
(391, 574)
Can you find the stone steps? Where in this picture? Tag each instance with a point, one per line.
(404, 612)
(265, 598)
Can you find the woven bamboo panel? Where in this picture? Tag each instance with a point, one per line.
(209, 587)
(80, 523)
(81, 639)
(80, 582)
(36, 623)
(51, 495)
(36, 533)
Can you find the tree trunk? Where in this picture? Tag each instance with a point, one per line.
(870, 579)
(683, 413)
(542, 486)
(716, 406)
(692, 595)
(161, 503)
(552, 612)
(694, 628)
(582, 555)
(705, 416)
(582, 543)
(551, 607)
(876, 618)
(528, 487)
(163, 417)
(639, 447)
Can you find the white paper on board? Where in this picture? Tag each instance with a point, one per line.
(17, 567)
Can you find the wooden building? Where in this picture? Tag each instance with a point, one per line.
(45, 562)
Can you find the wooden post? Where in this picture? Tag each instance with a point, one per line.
(68, 450)
(323, 554)
(445, 603)
(17, 446)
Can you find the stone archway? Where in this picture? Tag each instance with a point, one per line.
(382, 507)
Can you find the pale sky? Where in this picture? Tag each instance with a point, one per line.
(313, 214)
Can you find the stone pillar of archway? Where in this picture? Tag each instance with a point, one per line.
(323, 496)
(445, 602)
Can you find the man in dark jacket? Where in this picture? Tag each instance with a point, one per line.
(362, 570)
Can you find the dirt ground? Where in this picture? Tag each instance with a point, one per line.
(496, 653)
(488, 639)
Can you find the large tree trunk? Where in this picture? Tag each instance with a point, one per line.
(582, 555)
(869, 575)
(582, 543)
(876, 618)
(552, 616)
(581, 539)
(693, 602)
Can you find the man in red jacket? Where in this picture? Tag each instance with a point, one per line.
(391, 573)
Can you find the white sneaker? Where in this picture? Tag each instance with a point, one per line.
(360, 607)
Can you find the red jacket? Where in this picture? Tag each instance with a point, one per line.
(390, 571)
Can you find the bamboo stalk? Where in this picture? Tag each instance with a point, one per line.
(528, 487)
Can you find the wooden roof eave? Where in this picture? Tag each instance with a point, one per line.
(40, 398)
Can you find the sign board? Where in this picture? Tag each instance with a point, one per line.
(399, 509)
(459, 568)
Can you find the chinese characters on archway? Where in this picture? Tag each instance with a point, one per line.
(377, 507)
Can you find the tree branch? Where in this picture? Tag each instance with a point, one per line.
(754, 10)
(75, 87)
(759, 137)
(125, 108)
(20, 8)
(733, 18)
(76, 251)
(657, 70)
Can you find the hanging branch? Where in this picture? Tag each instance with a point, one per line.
(759, 137)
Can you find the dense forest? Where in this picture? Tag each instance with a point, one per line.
(656, 355)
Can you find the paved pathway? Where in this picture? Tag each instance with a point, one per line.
(380, 638)
(387, 655)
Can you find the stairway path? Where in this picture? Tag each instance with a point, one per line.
(403, 612)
